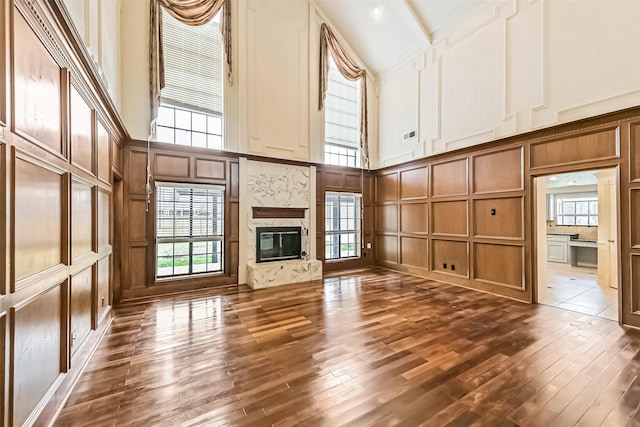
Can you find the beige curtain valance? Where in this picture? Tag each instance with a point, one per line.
(350, 69)
(190, 12)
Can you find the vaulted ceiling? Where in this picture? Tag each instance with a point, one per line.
(385, 32)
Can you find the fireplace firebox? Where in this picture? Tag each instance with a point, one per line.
(278, 243)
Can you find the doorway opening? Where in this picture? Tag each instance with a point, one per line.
(576, 240)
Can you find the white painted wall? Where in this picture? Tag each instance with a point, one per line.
(271, 108)
(98, 22)
(517, 66)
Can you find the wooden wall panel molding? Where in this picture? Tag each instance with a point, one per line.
(635, 279)
(414, 252)
(103, 141)
(82, 119)
(82, 203)
(634, 215)
(103, 288)
(450, 257)
(39, 198)
(136, 171)
(387, 218)
(39, 89)
(3, 353)
(35, 365)
(414, 218)
(387, 249)
(450, 178)
(103, 219)
(414, 183)
(601, 145)
(450, 218)
(81, 307)
(499, 218)
(499, 264)
(210, 169)
(499, 171)
(634, 152)
(387, 187)
(172, 166)
(137, 229)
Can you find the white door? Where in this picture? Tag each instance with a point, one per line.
(607, 229)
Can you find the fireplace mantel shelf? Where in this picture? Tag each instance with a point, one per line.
(269, 212)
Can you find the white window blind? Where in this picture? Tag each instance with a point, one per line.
(342, 110)
(193, 57)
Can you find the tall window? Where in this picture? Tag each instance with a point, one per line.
(191, 103)
(189, 229)
(581, 211)
(341, 120)
(342, 228)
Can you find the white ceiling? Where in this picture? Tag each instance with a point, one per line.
(404, 28)
(573, 179)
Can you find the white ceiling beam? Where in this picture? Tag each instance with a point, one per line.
(418, 22)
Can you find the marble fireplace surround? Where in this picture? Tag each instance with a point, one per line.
(274, 185)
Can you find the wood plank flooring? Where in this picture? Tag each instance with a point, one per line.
(372, 347)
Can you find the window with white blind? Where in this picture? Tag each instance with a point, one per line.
(342, 225)
(189, 229)
(191, 103)
(341, 120)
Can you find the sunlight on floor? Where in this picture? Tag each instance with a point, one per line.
(576, 289)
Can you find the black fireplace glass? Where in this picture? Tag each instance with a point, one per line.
(277, 243)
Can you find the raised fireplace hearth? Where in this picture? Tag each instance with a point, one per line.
(278, 243)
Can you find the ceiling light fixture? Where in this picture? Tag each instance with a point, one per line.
(376, 12)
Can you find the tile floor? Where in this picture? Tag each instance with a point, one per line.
(576, 289)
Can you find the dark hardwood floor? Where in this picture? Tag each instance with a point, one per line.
(369, 348)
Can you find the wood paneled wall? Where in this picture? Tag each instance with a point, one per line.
(171, 163)
(348, 180)
(465, 217)
(59, 143)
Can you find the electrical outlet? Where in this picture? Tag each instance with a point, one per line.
(453, 267)
(444, 265)
(493, 211)
(369, 245)
(102, 301)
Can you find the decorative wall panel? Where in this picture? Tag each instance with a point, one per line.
(81, 218)
(81, 131)
(449, 179)
(414, 252)
(414, 183)
(414, 218)
(103, 299)
(387, 187)
(104, 218)
(172, 166)
(387, 218)
(104, 161)
(589, 147)
(38, 227)
(450, 257)
(387, 249)
(499, 264)
(499, 218)
(38, 88)
(210, 169)
(35, 354)
(450, 218)
(500, 171)
(81, 307)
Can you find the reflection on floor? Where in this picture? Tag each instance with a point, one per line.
(576, 289)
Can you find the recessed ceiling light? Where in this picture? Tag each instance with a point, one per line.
(376, 12)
